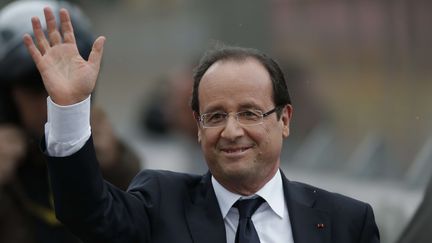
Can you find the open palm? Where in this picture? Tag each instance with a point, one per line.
(67, 77)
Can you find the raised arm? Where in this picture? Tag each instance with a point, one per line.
(92, 209)
(67, 77)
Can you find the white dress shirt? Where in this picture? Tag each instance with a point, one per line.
(68, 129)
(271, 219)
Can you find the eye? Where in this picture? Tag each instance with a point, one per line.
(214, 117)
(250, 115)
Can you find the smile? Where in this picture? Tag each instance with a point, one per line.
(235, 150)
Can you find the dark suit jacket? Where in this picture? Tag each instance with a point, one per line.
(169, 207)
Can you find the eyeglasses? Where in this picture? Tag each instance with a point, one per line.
(246, 117)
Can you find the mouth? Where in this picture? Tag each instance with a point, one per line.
(235, 151)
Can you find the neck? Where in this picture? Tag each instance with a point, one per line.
(246, 186)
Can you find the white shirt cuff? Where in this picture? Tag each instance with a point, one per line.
(67, 128)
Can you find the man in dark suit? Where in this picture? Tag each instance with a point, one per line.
(243, 111)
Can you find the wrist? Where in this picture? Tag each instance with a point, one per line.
(66, 100)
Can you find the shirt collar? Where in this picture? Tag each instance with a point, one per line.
(272, 193)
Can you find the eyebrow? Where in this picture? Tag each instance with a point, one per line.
(214, 109)
(246, 105)
(249, 106)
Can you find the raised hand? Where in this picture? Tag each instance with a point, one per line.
(67, 77)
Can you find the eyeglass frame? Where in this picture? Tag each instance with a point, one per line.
(263, 115)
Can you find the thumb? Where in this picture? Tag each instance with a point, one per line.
(97, 51)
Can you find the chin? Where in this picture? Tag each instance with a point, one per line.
(239, 172)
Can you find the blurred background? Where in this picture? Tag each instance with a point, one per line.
(359, 73)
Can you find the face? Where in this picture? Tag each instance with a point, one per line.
(32, 109)
(238, 154)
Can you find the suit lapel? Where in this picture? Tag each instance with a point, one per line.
(308, 224)
(204, 216)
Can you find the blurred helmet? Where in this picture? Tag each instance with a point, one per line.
(16, 65)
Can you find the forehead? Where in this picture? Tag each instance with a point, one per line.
(233, 83)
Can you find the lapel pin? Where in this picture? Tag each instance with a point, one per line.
(320, 226)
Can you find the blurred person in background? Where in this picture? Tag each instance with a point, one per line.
(420, 227)
(168, 124)
(26, 203)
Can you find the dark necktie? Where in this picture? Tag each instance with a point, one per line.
(246, 232)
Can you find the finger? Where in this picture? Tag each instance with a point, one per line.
(97, 51)
(66, 26)
(40, 35)
(32, 49)
(53, 33)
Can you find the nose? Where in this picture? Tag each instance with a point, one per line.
(232, 129)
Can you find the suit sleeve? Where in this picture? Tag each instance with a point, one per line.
(93, 209)
(370, 233)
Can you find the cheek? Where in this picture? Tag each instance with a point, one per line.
(261, 135)
(270, 141)
(208, 139)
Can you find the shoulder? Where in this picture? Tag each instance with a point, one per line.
(339, 206)
(167, 189)
(163, 179)
(352, 218)
(327, 195)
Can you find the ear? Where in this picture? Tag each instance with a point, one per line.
(286, 116)
(199, 135)
(196, 118)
